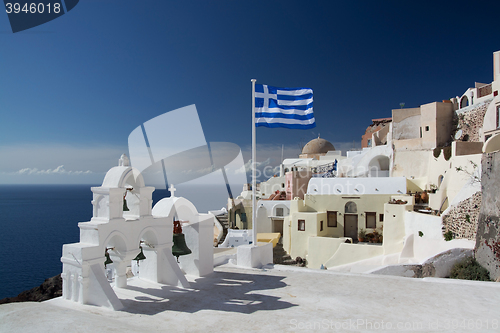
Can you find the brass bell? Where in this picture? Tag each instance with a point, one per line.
(179, 248)
(140, 256)
(108, 259)
(125, 207)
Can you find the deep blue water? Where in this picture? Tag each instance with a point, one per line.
(36, 220)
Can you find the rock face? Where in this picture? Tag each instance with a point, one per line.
(462, 220)
(487, 250)
(50, 288)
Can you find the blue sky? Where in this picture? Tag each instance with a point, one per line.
(73, 89)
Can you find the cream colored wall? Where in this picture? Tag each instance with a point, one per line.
(348, 253)
(321, 249)
(365, 203)
(394, 226)
(438, 116)
(453, 180)
(428, 118)
(406, 124)
(314, 210)
(411, 163)
(300, 239)
(393, 237)
(496, 66)
(410, 144)
(459, 148)
(490, 117)
(492, 144)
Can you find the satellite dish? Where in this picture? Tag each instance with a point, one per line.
(458, 134)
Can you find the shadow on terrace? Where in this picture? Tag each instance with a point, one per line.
(221, 291)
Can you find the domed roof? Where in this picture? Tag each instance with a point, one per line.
(317, 146)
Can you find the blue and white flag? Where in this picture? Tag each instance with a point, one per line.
(284, 107)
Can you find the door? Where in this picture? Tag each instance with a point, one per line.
(278, 226)
(351, 226)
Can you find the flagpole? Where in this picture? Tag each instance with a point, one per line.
(254, 185)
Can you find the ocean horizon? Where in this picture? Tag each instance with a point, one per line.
(36, 221)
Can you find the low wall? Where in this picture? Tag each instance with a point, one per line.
(429, 225)
(349, 253)
(321, 249)
(459, 148)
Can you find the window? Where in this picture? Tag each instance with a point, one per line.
(351, 208)
(332, 219)
(302, 225)
(369, 143)
(243, 217)
(371, 220)
(498, 116)
(381, 217)
(320, 225)
(279, 211)
(427, 128)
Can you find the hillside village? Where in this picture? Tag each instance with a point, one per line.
(425, 174)
(419, 197)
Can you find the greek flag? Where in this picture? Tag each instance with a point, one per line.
(284, 107)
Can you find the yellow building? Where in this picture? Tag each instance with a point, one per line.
(338, 208)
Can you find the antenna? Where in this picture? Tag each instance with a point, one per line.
(402, 105)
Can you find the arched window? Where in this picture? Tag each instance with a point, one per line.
(464, 102)
(351, 208)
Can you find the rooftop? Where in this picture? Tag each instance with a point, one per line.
(273, 300)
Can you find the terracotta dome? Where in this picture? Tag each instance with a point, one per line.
(317, 146)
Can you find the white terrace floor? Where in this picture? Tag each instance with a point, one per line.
(275, 300)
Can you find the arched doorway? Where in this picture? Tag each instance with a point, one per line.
(351, 220)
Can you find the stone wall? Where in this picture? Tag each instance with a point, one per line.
(487, 250)
(471, 122)
(462, 219)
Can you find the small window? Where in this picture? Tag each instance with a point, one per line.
(498, 116)
(320, 225)
(381, 217)
(243, 217)
(302, 225)
(279, 211)
(283, 185)
(427, 128)
(369, 143)
(371, 220)
(332, 219)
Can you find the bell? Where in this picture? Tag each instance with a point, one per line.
(125, 207)
(140, 256)
(179, 248)
(108, 259)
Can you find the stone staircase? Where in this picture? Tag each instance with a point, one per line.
(281, 257)
(224, 221)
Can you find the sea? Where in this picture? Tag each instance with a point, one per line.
(36, 220)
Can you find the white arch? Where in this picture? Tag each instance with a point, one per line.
(122, 176)
(181, 207)
(280, 205)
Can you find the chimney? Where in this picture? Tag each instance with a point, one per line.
(496, 65)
